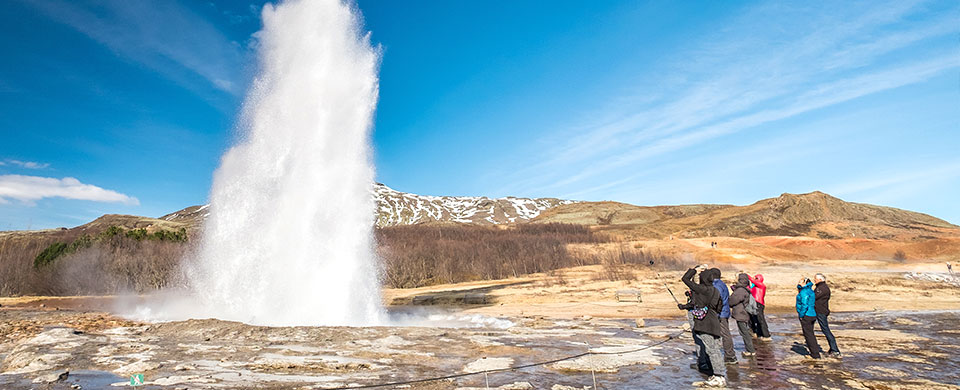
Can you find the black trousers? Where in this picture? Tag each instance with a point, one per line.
(758, 323)
(806, 323)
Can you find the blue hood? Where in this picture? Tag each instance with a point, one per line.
(805, 301)
(724, 295)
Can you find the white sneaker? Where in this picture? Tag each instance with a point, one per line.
(716, 381)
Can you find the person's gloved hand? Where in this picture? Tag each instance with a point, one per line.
(680, 306)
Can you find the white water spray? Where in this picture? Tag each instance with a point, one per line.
(289, 239)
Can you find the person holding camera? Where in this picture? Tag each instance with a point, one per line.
(706, 321)
(806, 299)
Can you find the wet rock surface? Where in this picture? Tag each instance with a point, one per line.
(64, 349)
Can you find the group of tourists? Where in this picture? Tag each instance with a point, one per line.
(711, 304)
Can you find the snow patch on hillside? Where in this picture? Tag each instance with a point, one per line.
(403, 208)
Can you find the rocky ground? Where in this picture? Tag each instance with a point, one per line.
(896, 325)
(61, 349)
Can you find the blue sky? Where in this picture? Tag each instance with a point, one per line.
(126, 107)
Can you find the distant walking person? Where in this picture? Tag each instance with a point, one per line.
(822, 307)
(950, 268)
(706, 321)
(758, 322)
(808, 315)
(738, 310)
(730, 355)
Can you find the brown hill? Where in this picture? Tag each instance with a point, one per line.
(192, 216)
(641, 221)
(92, 228)
(814, 214)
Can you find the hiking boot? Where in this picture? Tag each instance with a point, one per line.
(730, 360)
(835, 354)
(749, 354)
(716, 381)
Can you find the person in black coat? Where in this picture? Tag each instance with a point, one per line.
(703, 362)
(706, 322)
(822, 306)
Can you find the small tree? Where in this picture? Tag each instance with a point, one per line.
(606, 219)
(900, 255)
(50, 254)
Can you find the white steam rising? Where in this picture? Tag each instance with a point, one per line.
(289, 240)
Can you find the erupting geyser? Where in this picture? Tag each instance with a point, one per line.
(289, 240)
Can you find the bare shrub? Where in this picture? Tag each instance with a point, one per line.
(900, 255)
(619, 263)
(558, 277)
(607, 219)
(414, 256)
(111, 264)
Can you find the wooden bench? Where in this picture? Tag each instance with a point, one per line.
(475, 299)
(629, 296)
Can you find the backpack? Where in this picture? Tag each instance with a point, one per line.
(751, 305)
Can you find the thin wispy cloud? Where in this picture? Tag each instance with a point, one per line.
(773, 63)
(24, 164)
(164, 36)
(900, 180)
(29, 189)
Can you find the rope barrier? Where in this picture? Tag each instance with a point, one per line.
(577, 304)
(513, 368)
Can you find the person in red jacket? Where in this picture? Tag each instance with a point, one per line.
(757, 321)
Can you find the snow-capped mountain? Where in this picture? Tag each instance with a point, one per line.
(402, 208)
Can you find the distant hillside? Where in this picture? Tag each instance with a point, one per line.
(643, 221)
(402, 208)
(791, 227)
(814, 214)
(92, 228)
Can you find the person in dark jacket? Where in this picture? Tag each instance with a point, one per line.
(738, 310)
(758, 322)
(822, 307)
(730, 355)
(703, 362)
(808, 315)
(706, 322)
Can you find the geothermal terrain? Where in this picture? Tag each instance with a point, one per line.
(595, 291)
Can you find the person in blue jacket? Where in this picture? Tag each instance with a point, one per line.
(806, 299)
(729, 355)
